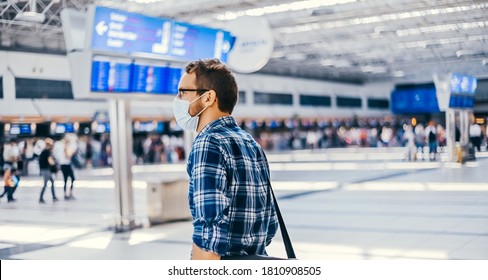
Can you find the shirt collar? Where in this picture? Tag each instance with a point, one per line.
(218, 123)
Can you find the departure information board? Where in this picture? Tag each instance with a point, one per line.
(414, 99)
(110, 76)
(149, 79)
(124, 76)
(461, 83)
(124, 32)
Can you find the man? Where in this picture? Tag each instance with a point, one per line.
(475, 135)
(431, 133)
(47, 166)
(230, 200)
(64, 152)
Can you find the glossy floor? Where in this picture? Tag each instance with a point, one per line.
(339, 204)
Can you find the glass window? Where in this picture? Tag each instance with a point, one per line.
(378, 103)
(481, 95)
(273, 98)
(242, 97)
(35, 88)
(350, 102)
(315, 100)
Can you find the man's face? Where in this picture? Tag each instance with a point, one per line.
(188, 82)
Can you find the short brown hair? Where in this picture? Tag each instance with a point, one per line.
(215, 75)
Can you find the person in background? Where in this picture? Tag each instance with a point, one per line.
(48, 168)
(475, 135)
(63, 153)
(431, 134)
(420, 140)
(11, 178)
(410, 148)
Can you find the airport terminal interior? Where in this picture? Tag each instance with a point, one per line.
(373, 116)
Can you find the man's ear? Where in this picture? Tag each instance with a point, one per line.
(211, 98)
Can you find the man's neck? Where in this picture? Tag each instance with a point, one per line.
(211, 116)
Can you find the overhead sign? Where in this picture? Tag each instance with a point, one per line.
(461, 83)
(414, 99)
(455, 90)
(123, 32)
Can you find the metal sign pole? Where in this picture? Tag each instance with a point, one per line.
(121, 141)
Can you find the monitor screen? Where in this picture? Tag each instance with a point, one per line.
(62, 128)
(149, 79)
(20, 129)
(461, 83)
(102, 128)
(414, 99)
(111, 76)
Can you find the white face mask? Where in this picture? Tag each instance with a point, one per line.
(181, 110)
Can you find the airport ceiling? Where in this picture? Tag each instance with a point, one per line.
(356, 41)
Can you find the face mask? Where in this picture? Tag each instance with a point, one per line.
(183, 117)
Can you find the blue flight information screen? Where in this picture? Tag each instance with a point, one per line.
(149, 79)
(463, 83)
(113, 75)
(414, 99)
(109, 76)
(124, 32)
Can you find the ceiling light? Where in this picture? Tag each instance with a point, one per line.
(373, 69)
(278, 54)
(442, 28)
(385, 18)
(272, 9)
(30, 17)
(144, 1)
(411, 45)
(398, 74)
(460, 53)
(327, 62)
(484, 61)
(339, 63)
(296, 56)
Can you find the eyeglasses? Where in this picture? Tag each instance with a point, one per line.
(182, 91)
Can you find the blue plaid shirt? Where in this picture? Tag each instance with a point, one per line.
(232, 207)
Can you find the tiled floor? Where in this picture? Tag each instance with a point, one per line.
(339, 204)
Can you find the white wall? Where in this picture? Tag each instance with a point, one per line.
(56, 67)
(296, 86)
(38, 66)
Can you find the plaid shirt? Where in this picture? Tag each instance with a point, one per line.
(232, 207)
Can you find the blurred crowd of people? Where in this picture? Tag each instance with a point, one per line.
(422, 140)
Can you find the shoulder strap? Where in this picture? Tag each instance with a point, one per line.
(284, 233)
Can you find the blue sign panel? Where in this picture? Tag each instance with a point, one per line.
(110, 76)
(461, 102)
(190, 42)
(174, 75)
(120, 31)
(463, 83)
(150, 79)
(124, 32)
(414, 99)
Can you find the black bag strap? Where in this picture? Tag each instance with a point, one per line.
(284, 233)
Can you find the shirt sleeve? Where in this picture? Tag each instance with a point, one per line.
(208, 183)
